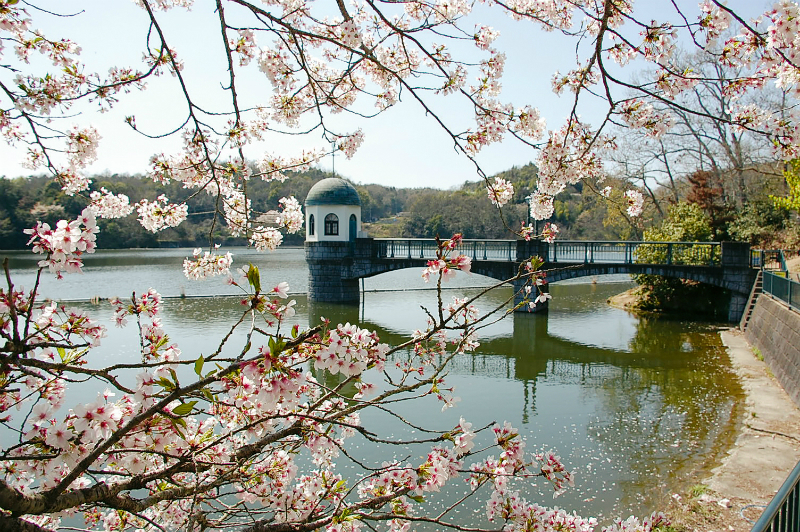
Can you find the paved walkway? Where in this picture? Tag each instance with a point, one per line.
(768, 446)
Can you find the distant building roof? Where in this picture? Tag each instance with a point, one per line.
(333, 191)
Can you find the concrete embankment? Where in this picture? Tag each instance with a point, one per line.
(774, 330)
(767, 360)
(767, 447)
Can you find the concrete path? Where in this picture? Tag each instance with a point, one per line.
(768, 446)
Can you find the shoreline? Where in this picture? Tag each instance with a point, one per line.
(734, 494)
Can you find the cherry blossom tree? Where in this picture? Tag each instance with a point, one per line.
(247, 437)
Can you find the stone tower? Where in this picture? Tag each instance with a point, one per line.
(333, 222)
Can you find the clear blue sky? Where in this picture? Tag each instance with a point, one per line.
(403, 147)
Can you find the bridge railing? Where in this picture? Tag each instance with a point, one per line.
(669, 253)
(768, 259)
(688, 253)
(425, 248)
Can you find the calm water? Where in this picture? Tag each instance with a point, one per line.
(634, 406)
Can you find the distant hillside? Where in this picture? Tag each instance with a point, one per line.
(386, 211)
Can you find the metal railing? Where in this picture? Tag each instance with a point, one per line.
(425, 248)
(783, 288)
(783, 512)
(678, 253)
(571, 251)
(768, 259)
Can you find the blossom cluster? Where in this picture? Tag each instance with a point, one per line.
(292, 216)
(147, 304)
(462, 315)
(266, 238)
(350, 350)
(549, 232)
(66, 243)
(448, 260)
(108, 205)
(272, 167)
(206, 265)
(350, 143)
(635, 202)
(640, 115)
(500, 191)
(82, 147)
(446, 267)
(160, 214)
(57, 323)
(570, 155)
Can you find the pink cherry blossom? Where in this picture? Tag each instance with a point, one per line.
(500, 191)
(207, 265)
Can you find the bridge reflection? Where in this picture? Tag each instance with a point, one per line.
(658, 407)
(532, 354)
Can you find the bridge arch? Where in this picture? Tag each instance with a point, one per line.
(702, 274)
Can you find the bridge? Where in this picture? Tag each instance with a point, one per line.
(336, 267)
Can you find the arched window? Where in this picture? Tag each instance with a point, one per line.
(331, 224)
(311, 225)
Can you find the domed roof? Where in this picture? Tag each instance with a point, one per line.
(333, 191)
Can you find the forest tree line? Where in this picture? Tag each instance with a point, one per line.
(581, 213)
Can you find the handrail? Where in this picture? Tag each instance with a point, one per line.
(782, 288)
(569, 251)
(765, 259)
(661, 253)
(783, 512)
(403, 239)
(631, 242)
(620, 242)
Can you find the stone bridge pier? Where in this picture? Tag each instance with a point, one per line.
(737, 276)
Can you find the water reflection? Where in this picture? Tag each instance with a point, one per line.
(637, 407)
(633, 405)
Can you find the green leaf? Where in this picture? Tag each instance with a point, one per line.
(416, 498)
(208, 395)
(184, 409)
(254, 278)
(536, 263)
(276, 345)
(198, 365)
(62, 353)
(164, 383)
(175, 423)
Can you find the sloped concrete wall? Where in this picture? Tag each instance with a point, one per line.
(774, 329)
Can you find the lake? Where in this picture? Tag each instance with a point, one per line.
(634, 405)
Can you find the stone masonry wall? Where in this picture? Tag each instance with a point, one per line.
(774, 329)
